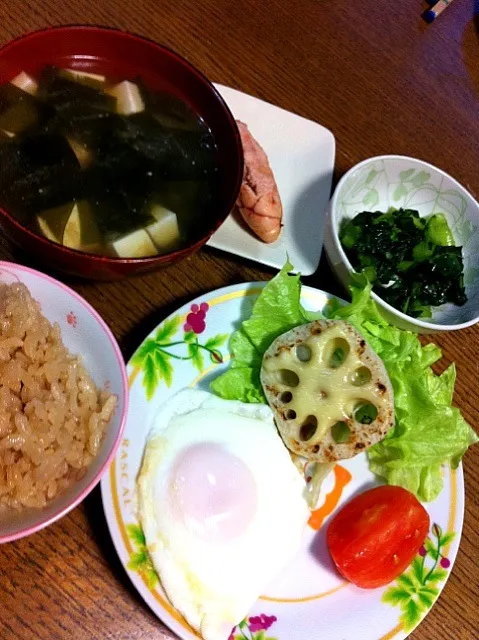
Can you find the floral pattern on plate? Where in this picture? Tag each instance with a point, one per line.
(309, 599)
(156, 355)
(416, 590)
(254, 628)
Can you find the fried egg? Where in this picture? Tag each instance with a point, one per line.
(221, 505)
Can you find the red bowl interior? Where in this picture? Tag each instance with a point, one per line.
(126, 56)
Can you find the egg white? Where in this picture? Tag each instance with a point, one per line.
(215, 585)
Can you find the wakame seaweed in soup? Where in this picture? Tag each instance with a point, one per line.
(104, 167)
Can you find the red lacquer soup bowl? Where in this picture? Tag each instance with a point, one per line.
(117, 54)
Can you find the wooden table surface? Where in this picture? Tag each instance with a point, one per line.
(384, 82)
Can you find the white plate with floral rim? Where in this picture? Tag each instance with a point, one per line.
(309, 599)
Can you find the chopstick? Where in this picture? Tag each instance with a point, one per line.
(431, 14)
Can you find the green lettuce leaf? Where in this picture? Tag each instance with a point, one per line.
(428, 433)
(276, 310)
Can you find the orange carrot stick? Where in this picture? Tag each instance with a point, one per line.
(341, 478)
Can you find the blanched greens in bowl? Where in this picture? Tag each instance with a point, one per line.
(412, 262)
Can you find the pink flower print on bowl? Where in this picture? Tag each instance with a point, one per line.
(195, 320)
(72, 319)
(107, 388)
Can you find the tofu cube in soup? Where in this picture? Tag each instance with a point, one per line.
(164, 230)
(137, 244)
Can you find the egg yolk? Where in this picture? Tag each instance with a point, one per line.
(213, 492)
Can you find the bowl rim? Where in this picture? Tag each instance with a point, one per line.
(13, 266)
(160, 257)
(335, 236)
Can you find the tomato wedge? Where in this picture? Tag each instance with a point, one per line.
(375, 537)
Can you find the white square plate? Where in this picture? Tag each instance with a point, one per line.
(301, 154)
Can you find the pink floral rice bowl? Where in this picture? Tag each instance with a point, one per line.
(86, 377)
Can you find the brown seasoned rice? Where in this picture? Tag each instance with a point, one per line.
(52, 416)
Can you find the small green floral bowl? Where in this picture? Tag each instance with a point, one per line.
(398, 181)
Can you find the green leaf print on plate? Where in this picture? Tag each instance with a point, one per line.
(416, 590)
(154, 357)
(140, 559)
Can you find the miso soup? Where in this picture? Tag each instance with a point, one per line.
(105, 166)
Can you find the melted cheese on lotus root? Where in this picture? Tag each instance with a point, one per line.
(221, 505)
